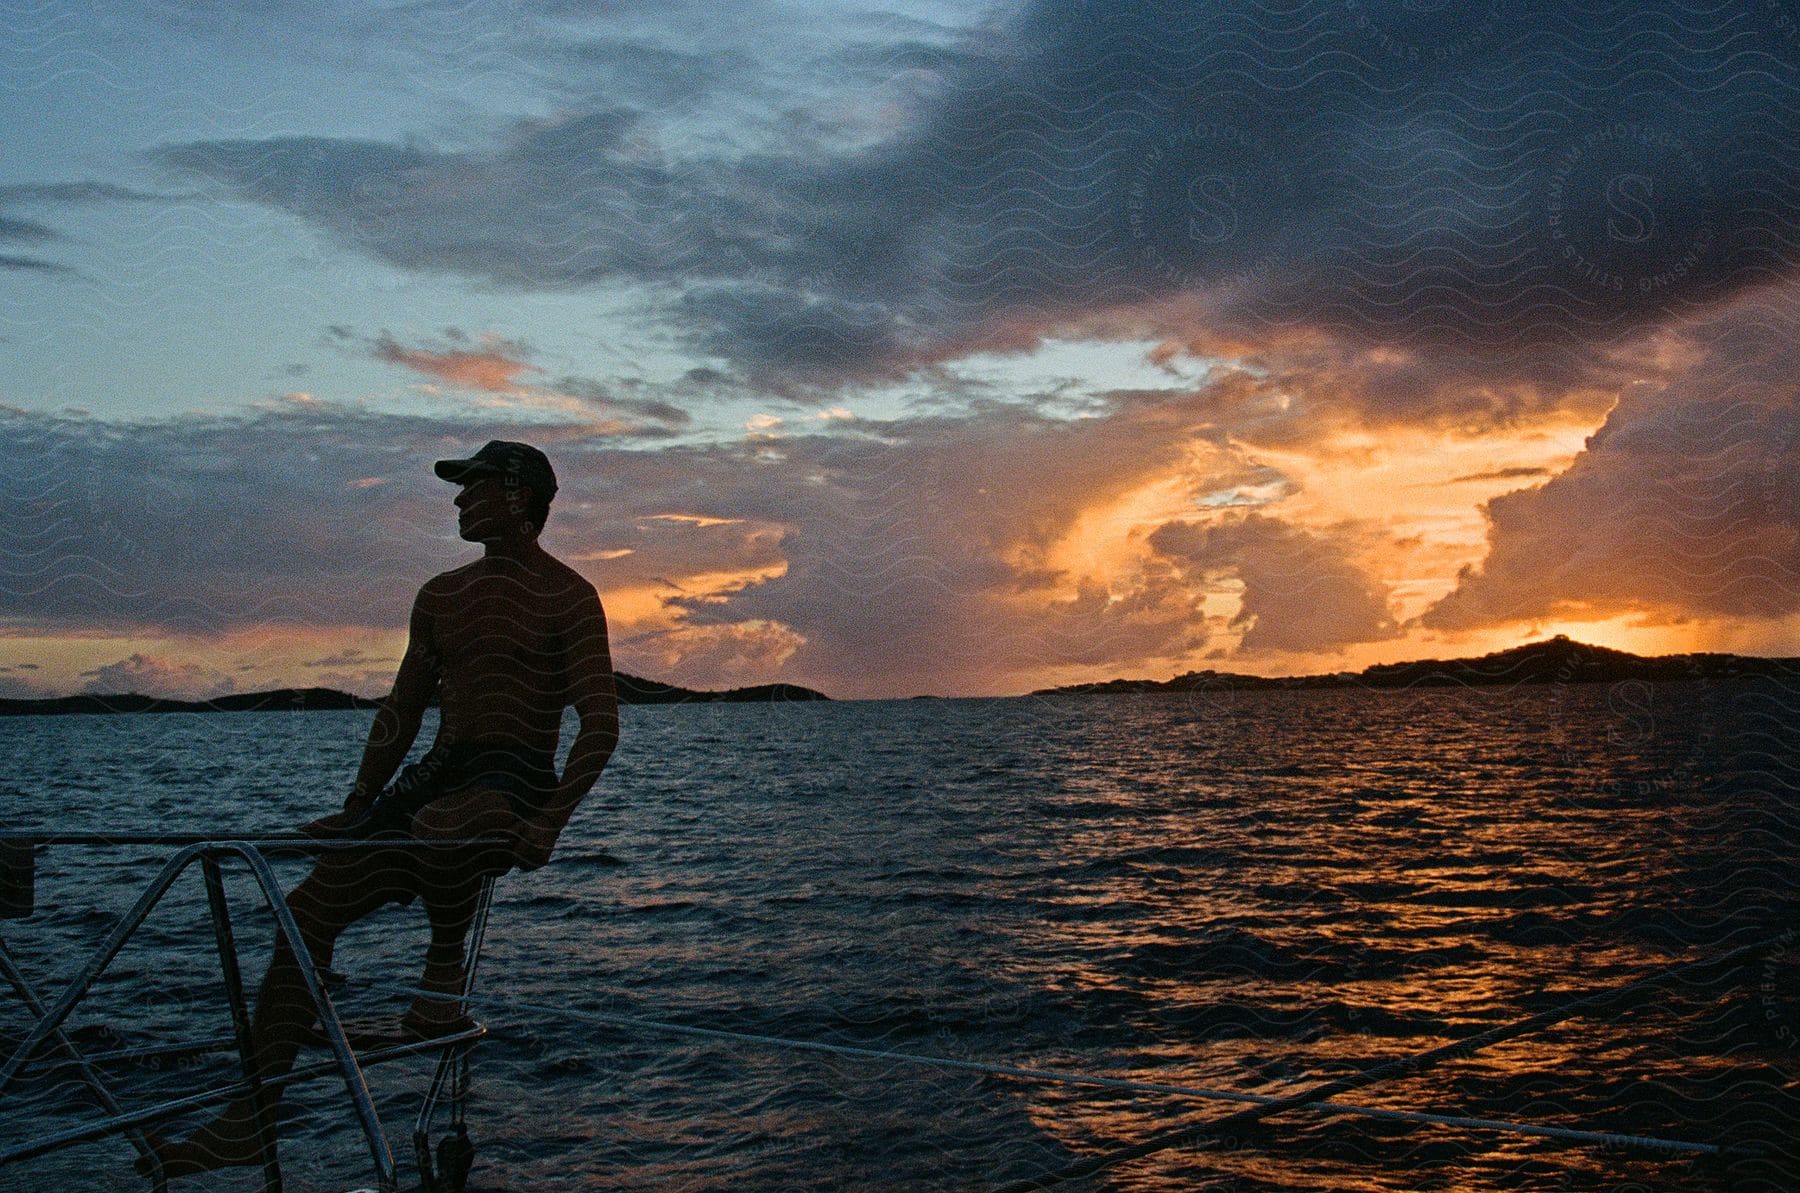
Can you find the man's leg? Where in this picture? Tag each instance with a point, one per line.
(342, 888)
(451, 888)
(436, 1013)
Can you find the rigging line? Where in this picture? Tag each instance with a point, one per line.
(280, 841)
(1402, 1066)
(1064, 1077)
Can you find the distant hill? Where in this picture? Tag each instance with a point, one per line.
(632, 690)
(279, 700)
(1555, 660)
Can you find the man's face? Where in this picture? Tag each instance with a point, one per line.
(485, 510)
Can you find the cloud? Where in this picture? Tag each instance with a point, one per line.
(1301, 590)
(31, 264)
(152, 675)
(1684, 504)
(976, 546)
(1298, 385)
(711, 656)
(26, 231)
(562, 203)
(666, 414)
(928, 554)
(495, 366)
(18, 681)
(1424, 175)
(939, 553)
(1503, 474)
(20, 194)
(667, 549)
(201, 524)
(660, 77)
(487, 361)
(351, 657)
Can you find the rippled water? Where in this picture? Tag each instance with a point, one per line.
(1243, 891)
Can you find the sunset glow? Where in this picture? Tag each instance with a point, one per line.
(843, 392)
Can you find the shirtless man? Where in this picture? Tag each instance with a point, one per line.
(507, 642)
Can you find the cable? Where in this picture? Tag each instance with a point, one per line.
(1400, 1066)
(1262, 1103)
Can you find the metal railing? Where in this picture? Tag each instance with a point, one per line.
(17, 858)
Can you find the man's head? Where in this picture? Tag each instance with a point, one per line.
(522, 472)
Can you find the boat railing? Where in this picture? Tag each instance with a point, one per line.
(47, 1040)
(445, 1171)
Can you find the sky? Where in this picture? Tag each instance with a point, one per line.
(929, 348)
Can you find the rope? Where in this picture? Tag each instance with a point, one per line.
(1263, 1103)
(280, 841)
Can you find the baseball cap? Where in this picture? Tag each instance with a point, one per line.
(502, 458)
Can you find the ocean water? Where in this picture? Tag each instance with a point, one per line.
(1240, 891)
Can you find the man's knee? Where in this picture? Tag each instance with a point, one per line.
(343, 888)
(317, 931)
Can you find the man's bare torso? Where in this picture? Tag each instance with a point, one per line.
(502, 635)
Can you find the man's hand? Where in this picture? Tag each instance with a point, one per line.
(536, 841)
(328, 828)
(360, 799)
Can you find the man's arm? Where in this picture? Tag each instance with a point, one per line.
(588, 660)
(397, 720)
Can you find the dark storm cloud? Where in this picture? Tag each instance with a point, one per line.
(771, 331)
(1462, 171)
(1295, 386)
(1685, 503)
(1503, 176)
(563, 203)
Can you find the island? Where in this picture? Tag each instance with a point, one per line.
(632, 690)
(1555, 660)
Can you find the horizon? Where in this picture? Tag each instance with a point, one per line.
(133, 694)
(940, 348)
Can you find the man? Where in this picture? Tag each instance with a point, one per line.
(506, 643)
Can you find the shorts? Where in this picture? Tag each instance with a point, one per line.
(527, 782)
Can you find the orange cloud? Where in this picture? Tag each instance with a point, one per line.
(495, 368)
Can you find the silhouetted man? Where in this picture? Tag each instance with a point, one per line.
(506, 643)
